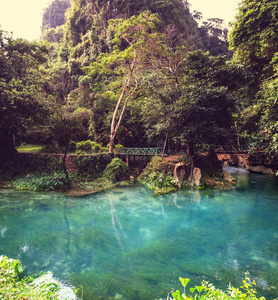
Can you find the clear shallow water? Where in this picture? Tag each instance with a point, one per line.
(131, 243)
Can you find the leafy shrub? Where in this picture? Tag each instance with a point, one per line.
(116, 171)
(29, 148)
(158, 176)
(104, 149)
(83, 146)
(91, 167)
(89, 147)
(72, 146)
(161, 180)
(12, 287)
(118, 146)
(42, 182)
(9, 269)
(207, 291)
(96, 148)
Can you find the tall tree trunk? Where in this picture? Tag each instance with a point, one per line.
(7, 147)
(114, 125)
(66, 140)
(237, 135)
(64, 162)
(190, 149)
(127, 89)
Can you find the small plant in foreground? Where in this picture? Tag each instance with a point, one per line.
(207, 291)
(12, 287)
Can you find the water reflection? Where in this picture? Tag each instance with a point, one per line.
(129, 242)
(117, 223)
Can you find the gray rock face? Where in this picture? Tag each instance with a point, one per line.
(228, 177)
(179, 174)
(196, 176)
(261, 169)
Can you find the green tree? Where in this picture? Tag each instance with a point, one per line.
(137, 46)
(254, 35)
(215, 37)
(254, 38)
(200, 110)
(20, 89)
(65, 116)
(268, 111)
(54, 14)
(86, 33)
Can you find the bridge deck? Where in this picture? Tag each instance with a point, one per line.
(159, 151)
(139, 151)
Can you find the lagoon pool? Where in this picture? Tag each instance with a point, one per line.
(129, 244)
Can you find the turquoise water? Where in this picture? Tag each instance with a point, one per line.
(128, 242)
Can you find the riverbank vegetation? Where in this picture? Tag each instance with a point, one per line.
(158, 176)
(87, 174)
(207, 291)
(45, 287)
(14, 287)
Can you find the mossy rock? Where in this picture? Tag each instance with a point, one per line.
(158, 176)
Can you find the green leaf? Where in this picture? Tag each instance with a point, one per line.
(176, 295)
(192, 290)
(199, 288)
(184, 281)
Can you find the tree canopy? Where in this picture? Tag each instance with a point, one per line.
(254, 35)
(135, 72)
(20, 86)
(255, 41)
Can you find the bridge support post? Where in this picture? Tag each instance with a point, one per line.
(127, 159)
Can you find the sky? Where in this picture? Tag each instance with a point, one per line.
(24, 17)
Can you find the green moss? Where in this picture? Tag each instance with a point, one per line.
(157, 176)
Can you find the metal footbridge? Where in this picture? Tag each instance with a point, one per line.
(159, 151)
(139, 151)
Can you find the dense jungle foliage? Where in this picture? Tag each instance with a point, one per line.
(135, 72)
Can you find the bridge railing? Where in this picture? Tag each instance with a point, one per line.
(139, 151)
(159, 151)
